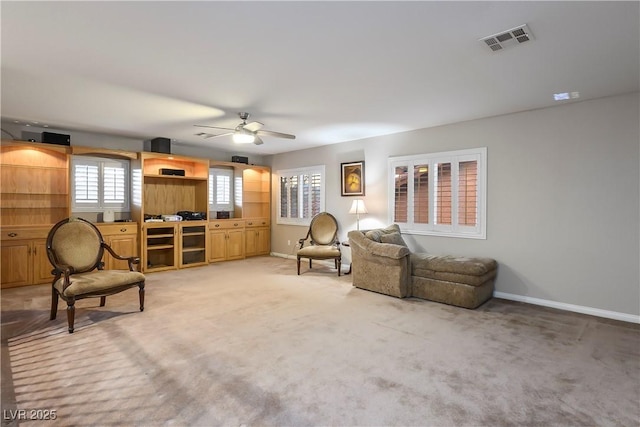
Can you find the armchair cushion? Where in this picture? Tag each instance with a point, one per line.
(319, 252)
(97, 281)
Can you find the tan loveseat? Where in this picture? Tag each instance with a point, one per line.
(381, 262)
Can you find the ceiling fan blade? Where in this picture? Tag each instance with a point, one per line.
(211, 127)
(253, 126)
(210, 135)
(258, 141)
(276, 134)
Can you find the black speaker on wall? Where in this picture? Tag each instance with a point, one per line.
(158, 145)
(56, 138)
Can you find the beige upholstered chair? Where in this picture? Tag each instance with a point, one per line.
(75, 248)
(323, 241)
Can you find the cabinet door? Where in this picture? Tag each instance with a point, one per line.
(15, 259)
(263, 240)
(125, 245)
(217, 245)
(41, 265)
(235, 244)
(251, 248)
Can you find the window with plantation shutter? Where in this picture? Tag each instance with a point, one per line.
(441, 194)
(98, 184)
(220, 189)
(301, 195)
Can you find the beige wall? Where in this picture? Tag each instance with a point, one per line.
(563, 198)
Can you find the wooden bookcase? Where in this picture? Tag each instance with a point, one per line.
(252, 204)
(256, 192)
(35, 183)
(155, 194)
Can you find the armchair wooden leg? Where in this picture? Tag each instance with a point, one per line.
(310, 264)
(103, 301)
(298, 266)
(71, 313)
(141, 294)
(54, 304)
(339, 262)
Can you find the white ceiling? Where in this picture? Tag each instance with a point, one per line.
(326, 71)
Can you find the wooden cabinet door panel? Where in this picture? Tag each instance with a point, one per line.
(124, 246)
(263, 239)
(15, 263)
(41, 265)
(217, 245)
(235, 244)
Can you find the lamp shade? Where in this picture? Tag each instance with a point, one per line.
(358, 207)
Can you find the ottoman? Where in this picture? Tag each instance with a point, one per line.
(460, 281)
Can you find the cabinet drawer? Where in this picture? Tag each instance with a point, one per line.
(258, 222)
(226, 224)
(9, 234)
(117, 229)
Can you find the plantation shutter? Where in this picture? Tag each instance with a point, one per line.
(401, 195)
(220, 189)
(86, 183)
(114, 184)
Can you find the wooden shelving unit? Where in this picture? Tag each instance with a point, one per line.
(256, 192)
(159, 246)
(193, 243)
(35, 183)
(156, 194)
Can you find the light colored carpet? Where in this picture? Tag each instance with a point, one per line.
(251, 343)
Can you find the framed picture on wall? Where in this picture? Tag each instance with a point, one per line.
(352, 178)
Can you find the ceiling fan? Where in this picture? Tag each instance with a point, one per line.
(245, 133)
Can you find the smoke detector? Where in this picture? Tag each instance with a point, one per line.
(504, 39)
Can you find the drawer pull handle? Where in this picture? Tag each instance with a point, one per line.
(123, 230)
(217, 225)
(235, 225)
(250, 223)
(13, 234)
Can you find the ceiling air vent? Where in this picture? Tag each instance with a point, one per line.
(507, 38)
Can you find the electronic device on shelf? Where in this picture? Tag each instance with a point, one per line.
(170, 218)
(192, 216)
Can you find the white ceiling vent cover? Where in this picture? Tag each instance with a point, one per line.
(504, 39)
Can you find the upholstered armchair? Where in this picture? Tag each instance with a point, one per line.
(75, 248)
(323, 241)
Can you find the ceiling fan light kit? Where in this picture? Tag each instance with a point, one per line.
(242, 136)
(245, 133)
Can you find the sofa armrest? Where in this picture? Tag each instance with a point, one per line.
(386, 250)
(379, 267)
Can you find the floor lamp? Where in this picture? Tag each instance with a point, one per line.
(358, 207)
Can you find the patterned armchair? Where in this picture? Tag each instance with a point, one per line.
(75, 248)
(323, 241)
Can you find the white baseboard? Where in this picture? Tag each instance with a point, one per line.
(632, 318)
(278, 254)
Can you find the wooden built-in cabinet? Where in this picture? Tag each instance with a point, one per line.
(252, 205)
(23, 256)
(159, 241)
(35, 183)
(122, 237)
(169, 245)
(35, 195)
(258, 237)
(193, 243)
(226, 240)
